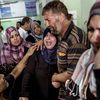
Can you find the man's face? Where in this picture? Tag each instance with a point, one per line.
(28, 25)
(94, 31)
(53, 20)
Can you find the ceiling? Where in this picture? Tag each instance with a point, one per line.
(8, 1)
(2, 2)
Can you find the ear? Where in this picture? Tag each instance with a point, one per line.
(62, 17)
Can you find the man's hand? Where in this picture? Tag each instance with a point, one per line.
(3, 83)
(54, 77)
(56, 84)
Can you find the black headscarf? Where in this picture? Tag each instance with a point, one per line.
(50, 55)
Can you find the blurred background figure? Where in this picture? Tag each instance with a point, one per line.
(18, 25)
(36, 32)
(25, 27)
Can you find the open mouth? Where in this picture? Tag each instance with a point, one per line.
(48, 43)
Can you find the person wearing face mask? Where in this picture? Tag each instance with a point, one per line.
(39, 70)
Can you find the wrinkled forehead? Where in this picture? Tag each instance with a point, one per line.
(49, 14)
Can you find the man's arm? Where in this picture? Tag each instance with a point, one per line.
(58, 78)
(61, 77)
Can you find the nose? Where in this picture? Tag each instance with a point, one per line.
(15, 37)
(96, 35)
(48, 37)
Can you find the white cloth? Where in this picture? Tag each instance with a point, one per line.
(23, 33)
(3, 36)
(83, 73)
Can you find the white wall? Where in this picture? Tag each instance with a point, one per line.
(18, 9)
(85, 9)
(81, 9)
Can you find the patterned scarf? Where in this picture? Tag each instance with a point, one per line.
(50, 56)
(10, 54)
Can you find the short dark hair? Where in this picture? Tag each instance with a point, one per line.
(56, 7)
(25, 19)
(19, 22)
(1, 27)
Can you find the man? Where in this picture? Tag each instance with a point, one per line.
(25, 27)
(72, 42)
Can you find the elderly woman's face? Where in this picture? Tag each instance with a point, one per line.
(94, 31)
(15, 38)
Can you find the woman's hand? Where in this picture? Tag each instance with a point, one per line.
(31, 50)
(39, 44)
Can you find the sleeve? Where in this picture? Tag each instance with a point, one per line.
(10, 79)
(74, 53)
(27, 76)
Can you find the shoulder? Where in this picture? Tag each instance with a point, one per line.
(30, 38)
(77, 35)
(86, 54)
(6, 46)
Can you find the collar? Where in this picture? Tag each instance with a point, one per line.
(22, 30)
(68, 31)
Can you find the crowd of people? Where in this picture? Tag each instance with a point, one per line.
(65, 68)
